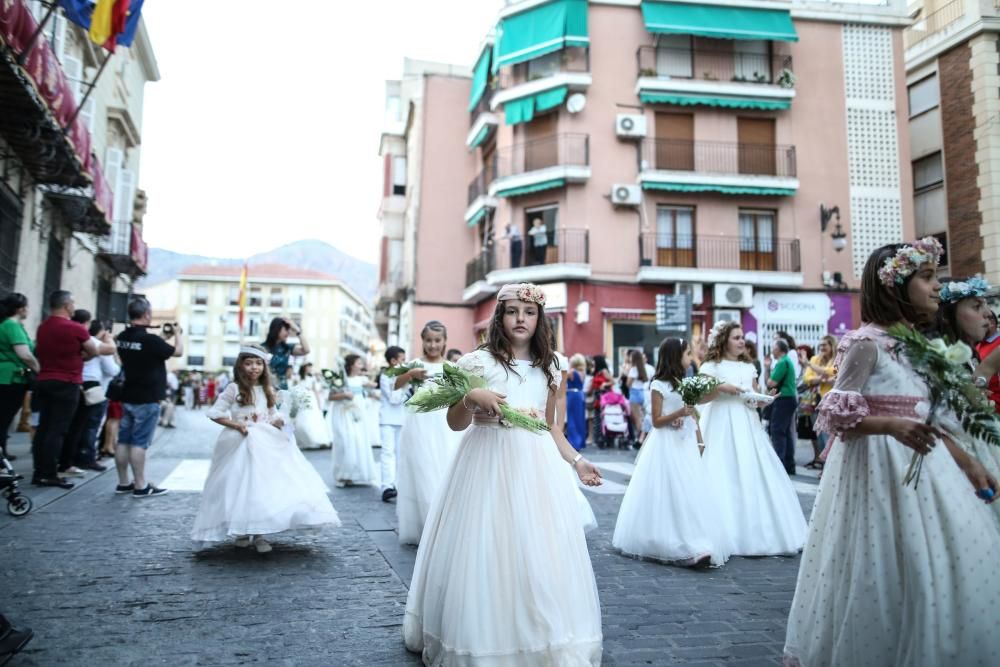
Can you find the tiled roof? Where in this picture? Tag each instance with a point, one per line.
(258, 271)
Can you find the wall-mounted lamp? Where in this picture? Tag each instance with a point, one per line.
(838, 236)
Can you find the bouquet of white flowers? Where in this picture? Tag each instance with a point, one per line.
(696, 387)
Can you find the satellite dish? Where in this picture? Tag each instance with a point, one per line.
(576, 103)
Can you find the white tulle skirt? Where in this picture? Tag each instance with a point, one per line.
(668, 512)
(427, 446)
(587, 518)
(311, 429)
(503, 577)
(258, 485)
(352, 454)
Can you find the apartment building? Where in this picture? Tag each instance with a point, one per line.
(953, 86)
(70, 207)
(204, 300)
(749, 154)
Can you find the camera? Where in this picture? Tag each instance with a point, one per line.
(168, 329)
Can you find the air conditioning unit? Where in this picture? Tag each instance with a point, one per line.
(733, 296)
(695, 290)
(727, 316)
(623, 194)
(630, 126)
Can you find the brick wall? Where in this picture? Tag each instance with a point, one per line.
(960, 167)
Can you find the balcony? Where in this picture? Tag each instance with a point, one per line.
(480, 201)
(565, 257)
(719, 77)
(934, 23)
(716, 166)
(482, 121)
(562, 72)
(124, 250)
(477, 269)
(541, 164)
(665, 258)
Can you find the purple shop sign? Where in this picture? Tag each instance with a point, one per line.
(841, 319)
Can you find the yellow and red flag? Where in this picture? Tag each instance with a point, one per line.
(108, 21)
(243, 296)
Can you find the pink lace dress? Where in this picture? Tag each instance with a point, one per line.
(891, 575)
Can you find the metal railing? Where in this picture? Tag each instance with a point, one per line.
(934, 22)
(719, 157)
(480, 185)
(119, 242)
(480, 265)
(574, 59)
(563, 246)
(684, 251)
(483, 106)
(553, 150)
(715, 65)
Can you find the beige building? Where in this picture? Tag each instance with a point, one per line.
(70, 206)
(952, 61)
(204, 300)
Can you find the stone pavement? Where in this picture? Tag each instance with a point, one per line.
(106, 579)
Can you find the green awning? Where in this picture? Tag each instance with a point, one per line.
(536, 187)
(480, 78)
(715, 101)
(539, 30)
(523, 110)
(477, 218)
(481, 137)
(723, 189)
(721, 22)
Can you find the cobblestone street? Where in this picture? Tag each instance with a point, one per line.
(106, 579)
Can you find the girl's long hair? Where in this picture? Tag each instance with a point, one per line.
(717, 348)
(668, 365)
(638, 361)
(245, 395)
(498, 344)
(277, 324)
(304, 370)
(886, 305)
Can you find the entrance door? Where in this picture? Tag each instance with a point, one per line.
(675, 141)
(756, 147)
(541, 147)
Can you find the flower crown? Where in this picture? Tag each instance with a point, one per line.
(716, 330)
(896, 269)
(956, 291)
(523, 292)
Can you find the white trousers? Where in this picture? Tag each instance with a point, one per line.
(387, 457)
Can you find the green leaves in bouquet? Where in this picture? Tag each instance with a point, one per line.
(396, 371)
(695, 388)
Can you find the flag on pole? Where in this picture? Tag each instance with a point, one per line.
(128, 13)
(243, 296)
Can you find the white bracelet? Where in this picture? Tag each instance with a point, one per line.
(466, 406)
(576, 459)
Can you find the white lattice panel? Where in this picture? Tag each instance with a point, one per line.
(872, 140)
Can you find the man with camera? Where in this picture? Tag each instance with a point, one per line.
(144, 357)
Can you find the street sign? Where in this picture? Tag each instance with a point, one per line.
(673, 314)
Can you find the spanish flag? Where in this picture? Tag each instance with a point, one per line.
(108, 21)
(243, 295)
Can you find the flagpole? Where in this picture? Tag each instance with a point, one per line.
(86, 95)
(31, 42)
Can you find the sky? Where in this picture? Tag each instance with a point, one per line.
(264, 127)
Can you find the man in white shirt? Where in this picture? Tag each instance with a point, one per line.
(390, 418)
(170, 402)
(97, 374)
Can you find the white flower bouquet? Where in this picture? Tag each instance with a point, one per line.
(696, 387)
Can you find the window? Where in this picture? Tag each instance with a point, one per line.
(10, 240)
(399, 175)
(928, 172)
(930, 207)
(199, 324)
(277, 298)
(675, 236)
(229, 353)
(924, 95)
(256, 297)
(199, 295)
(254, 327)
(232, 324)
(752, 61)
(196, 353)
(757, 240)
(296, 297)
(673, 56)
(538, 252)
(543, 66)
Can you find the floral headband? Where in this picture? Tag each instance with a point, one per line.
(956, 291)
(523, 292)
(896, 269)
(255, 352)
(716, 330)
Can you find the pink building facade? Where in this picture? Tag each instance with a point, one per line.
(665, 148)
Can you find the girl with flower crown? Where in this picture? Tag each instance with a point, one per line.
(891, 574)
(259, 483)
(502, 575)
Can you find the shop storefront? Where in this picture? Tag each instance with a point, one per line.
(805, 316)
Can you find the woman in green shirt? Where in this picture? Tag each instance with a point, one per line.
(17, 360)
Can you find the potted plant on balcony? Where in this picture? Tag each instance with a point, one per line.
(647, 71)
(787, 78)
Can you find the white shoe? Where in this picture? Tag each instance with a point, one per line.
(262, 545)
(243, 541)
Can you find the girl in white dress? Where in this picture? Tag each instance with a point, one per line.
(259, 483)
(353, 462)
(311, 429)
(894, 575)
(669, 511)
(759, 510)
(426, 445)
(503, 576)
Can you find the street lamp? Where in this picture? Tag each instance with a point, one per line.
(838, 236)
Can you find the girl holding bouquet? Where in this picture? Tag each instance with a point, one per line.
(259, 482)
(758, 507)
(353, 462)
(502, 575)
(669, 511)
(893, 574)
(311, 430)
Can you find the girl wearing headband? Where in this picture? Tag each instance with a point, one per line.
(259, 483)
(502, 574)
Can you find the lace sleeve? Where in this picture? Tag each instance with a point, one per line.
(223, 406)
(844, 406)
(473, 363)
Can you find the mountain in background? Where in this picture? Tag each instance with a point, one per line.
(313, 254)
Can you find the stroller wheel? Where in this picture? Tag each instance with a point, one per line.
(19, 505)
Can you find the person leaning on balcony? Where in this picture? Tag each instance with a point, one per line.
(513, 236)
(17, 362)
(281, 350)
(539, 234)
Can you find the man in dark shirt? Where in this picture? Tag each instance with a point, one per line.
(61, 347)
(144, 357)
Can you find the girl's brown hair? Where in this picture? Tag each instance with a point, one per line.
(668, 362)
(498, 343)
(885, 305)
(717, 347)
(245, 395)
(638, 361)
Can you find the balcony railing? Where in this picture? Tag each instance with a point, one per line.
(479, 186)
(551, 151)
(934, 22)
(483, 106)
(572, 60)
(124, 249)
(564, 246)
(715, 65)
(719, 157)
(680, 251)
(478, 267)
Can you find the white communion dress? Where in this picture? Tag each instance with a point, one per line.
(891, 575)
(759, 510)
(669, 511)
(260, 483)
(311, 429)
(352, 454)
(427, 446)
(503, 577)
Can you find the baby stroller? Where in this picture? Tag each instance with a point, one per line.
(17, 504)
(614, 421)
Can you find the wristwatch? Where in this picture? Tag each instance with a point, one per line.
(576, 459)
